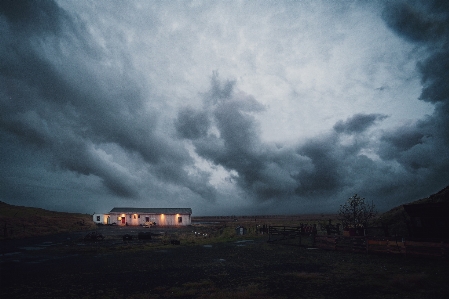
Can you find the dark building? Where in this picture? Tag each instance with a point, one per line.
(428, 221)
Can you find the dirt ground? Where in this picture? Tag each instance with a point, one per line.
(66, 266)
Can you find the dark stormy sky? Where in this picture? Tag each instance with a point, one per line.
(227, 107)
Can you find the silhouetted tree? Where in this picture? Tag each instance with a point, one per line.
(356, 212)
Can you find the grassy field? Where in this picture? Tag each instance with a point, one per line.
(20, 222)
(213, 262)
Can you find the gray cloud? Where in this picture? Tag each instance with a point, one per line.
(53, 99)
(325, 165)
(422, 147)
(319, 166)
(192, 124)
(77, 114)
(400, 140)
(357, 123)
(264, 172)
(326, 175)
(435, 77)
(25, 15)
(418, 21)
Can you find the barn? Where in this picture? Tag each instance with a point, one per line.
(140, 216)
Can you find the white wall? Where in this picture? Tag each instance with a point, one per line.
(101, 218)
(160, 219)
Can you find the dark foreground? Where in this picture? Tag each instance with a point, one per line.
(237, 268)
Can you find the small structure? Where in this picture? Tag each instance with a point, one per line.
(141, 216)
(240, 230)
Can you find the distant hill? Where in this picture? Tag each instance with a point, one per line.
(21, 222)
(441, 196)
(396, 218)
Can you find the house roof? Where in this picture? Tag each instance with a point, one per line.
(152, 210)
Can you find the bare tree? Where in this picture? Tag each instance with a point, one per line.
(356, 212)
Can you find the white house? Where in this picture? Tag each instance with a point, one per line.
(140, 216)
(102, 218)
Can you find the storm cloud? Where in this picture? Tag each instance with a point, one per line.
(190, 104)
(357, 123)
(66, 101)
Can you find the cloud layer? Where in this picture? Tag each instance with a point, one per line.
(121, 105)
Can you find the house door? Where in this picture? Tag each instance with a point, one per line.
(123, 220)
(109, 220)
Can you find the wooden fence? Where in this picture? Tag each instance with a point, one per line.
(365, 244)
(307, 236)
(292, 235)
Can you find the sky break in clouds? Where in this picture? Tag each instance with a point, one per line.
(241, 107)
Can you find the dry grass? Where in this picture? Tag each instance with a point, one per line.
(254, 270)
(409, 281)
(207, 289)
(158, 269)
(305, 275)
(20, 222)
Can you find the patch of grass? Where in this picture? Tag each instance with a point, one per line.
(208, 289)
(205, 283)
(21, 222)
(256, 269)
(409, 281)
(305, 275)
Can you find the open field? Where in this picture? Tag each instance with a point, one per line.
(23, 222)
(210, 262)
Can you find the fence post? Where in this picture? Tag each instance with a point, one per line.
(442, 248)
(269, 233)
